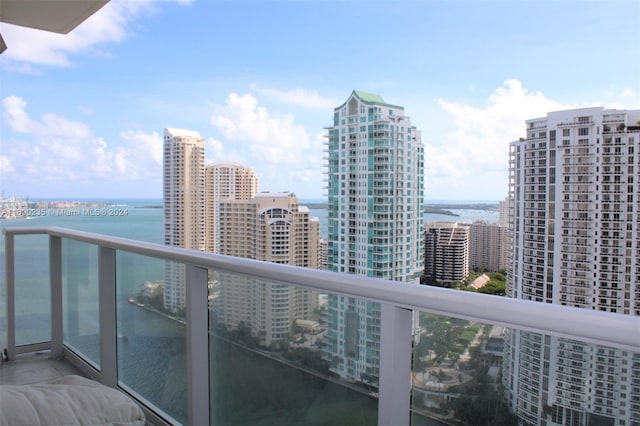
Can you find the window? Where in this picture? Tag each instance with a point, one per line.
(566, 132)
(583, 131)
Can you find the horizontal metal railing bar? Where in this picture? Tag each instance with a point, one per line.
(622, 331)
(26, 230)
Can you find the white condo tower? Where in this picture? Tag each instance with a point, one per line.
(574, 182)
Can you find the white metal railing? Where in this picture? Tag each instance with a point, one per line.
(398, 301)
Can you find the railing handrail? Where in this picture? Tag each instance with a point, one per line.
(622, 331)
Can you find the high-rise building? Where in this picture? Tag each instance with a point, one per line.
(225, 180)
(487, 246)
(375, 194)
(271, 227)
(503, 212)
(574, 233)
(446, 253)
(183, 194)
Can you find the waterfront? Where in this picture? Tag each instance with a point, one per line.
(143, 222)
(151, 347)
(141, 219)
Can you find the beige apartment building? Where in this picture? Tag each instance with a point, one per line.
(503, 211)
(487, 246)
(271, 227)
(183, 194)
(224, 181)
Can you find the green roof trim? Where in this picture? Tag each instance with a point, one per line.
(369, 97)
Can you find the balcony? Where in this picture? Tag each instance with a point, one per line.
(71, 294)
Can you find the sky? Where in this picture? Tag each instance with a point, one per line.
(83, 114)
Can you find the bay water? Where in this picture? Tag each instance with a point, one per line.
(150, 346)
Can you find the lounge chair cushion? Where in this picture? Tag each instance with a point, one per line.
(70, 400)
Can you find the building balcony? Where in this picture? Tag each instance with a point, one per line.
(81, 299)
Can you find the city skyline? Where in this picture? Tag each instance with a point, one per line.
(78, 109)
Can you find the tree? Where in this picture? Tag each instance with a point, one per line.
(494, 287)
(498, 276)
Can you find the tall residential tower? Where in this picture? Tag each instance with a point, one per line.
(574, 239)
(487, 246)
(183, 194)
(225, 181)
(271, 227)
(375, 195)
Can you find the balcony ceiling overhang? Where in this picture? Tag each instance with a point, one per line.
(57, 16)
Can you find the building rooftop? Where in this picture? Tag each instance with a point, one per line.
(182, 132)
(275, 194)
(369, 97)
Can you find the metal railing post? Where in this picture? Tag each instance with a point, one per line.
(107, 307)
(396, 334)
(197, 318)
(55, 277)
(10, 275)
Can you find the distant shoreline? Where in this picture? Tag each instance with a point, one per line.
(437, 207)
(444, 209)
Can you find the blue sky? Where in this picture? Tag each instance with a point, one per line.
(83, 114)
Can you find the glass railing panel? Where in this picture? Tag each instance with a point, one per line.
(456, 373)
(277, 354)
(473, 373)
(80, 306)
(32, 289)
(151, 343)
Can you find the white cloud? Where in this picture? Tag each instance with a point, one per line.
(55, 148)
(109, 25)
(106, 26)
(5, 164)
(275, 139)
(298, 96)
(140, 156)
(52, 125)
(620, 97)
(215, 150)
(280, 151)
(472, 158)
(16, 116)
(148, 143)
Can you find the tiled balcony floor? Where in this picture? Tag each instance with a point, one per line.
(35, 367)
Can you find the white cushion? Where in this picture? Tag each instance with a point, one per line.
(70, 400)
